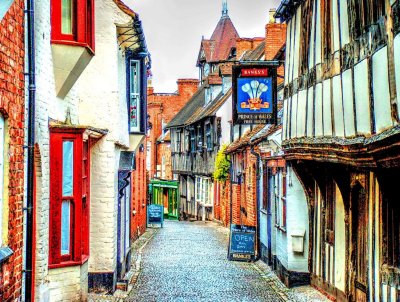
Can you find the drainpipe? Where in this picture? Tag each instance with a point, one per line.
(30, 15)
(257, 200)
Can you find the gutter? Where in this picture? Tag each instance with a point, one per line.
(30, 16)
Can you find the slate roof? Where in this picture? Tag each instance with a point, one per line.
(244, 140)
(212, 107)
(256, 54)
(192, 106)
(223, 39)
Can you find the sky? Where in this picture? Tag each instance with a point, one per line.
(174, 28)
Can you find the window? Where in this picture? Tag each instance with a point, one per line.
(72, 22)
(187, 141)
(366, 14)
(177, 141)
(134, 100)
(199, 138)
(209, 137)
(69, 199)
(192, 140)
(198, 188)
(280, 198)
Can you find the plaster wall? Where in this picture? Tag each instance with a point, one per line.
(397, 68)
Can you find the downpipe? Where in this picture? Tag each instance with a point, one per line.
(29, 14)
(258, 156)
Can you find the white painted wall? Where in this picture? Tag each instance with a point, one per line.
(318, 111)
(48, 106)
(225, 113)
(310, 112)
(297, 220)
(301, 113)
(348, 103)
(337, 106)
(103, 85)
(327, 107)
(380, 78)
(397, 68)
(361, 92)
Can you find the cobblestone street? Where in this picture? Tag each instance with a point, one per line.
(186, 261)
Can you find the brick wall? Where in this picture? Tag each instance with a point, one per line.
(139, 196)
(246, 44)
(162, 107)
(12, 108)
(275, 38)
(164, 150)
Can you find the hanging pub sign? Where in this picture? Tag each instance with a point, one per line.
(242, 242)
(254, 94)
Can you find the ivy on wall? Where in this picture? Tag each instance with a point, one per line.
(222, 165)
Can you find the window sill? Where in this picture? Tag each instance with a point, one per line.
(5, 253)
(73, 43)
(69, 263)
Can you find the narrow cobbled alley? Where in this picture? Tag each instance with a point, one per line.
(187, 261)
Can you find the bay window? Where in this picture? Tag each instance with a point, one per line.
(136, 79)
(69, 198)
(72, 22)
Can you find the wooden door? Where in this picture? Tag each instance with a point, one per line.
(360, 246)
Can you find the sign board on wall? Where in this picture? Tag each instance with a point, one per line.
(155, 214)
(242, 243)
(254, 94)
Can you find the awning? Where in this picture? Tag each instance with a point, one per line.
(89, 131)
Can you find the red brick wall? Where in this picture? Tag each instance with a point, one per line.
(275, 38)
(222, 202)
(163, 107)
(164, 149)
(12, 108)
(139, 195)
(245, 44)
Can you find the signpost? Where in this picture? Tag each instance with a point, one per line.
(242, 243)
(254, 93)
(155, 214)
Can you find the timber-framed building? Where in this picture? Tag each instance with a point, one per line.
(341, 135)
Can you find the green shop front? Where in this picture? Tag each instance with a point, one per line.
(165, 193)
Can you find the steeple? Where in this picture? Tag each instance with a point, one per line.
(224, 8)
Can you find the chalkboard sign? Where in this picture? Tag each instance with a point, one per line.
(242, 243)
(155, 214)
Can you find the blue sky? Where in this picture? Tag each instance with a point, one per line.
(174, 29)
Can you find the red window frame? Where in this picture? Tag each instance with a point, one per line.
(79, 234)
(82, 28)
